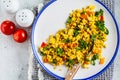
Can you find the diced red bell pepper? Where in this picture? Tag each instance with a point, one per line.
(101, 18)
(43, 44)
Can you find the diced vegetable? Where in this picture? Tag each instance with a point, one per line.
(66, 40)
(100, 37)
(96, 50)
(102, 60)
(100, 25)
(69, 20)
(59, 51)
(96, 13)
(93, 37)
(84, 16)
(83, 12)
(78, 48)
(93, 62)
(45, 60)
(76, 32)
(87, 62)
(106, 31)
(43, 44)
(89, 12)
(99, 13)
(54, 61)
(46, 48)
(95, 57)
(42, 53)
(101, 18)
(83, 44)
(70, 62)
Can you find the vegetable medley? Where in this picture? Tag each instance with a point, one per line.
(80, 42)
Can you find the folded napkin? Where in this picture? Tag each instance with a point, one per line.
(35, 71)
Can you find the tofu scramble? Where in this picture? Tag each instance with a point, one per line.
(80, 42)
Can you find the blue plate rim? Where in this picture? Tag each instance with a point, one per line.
(58, 77)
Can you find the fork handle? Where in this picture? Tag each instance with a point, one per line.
(70, 74)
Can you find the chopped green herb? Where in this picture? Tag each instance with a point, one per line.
(42, 53)
(70, 62)
(90, 48)
(54, 61)
(66, 40)
(46, 48)
(78, 48)
(93, 37)
(76, 32)
(83, 12)
(69, 20)
(106, 31)
(100, 37)
(83, 44)
(93, 62)
(95, 57)
(99, 13)
(59, 51)
(96, 13)
(100, 25)
(86, 59)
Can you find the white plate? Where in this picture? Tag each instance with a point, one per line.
(53, 17)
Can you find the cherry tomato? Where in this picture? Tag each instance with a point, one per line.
(20, 35)
(7, 27)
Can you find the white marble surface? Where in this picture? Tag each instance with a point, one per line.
(14, 56)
